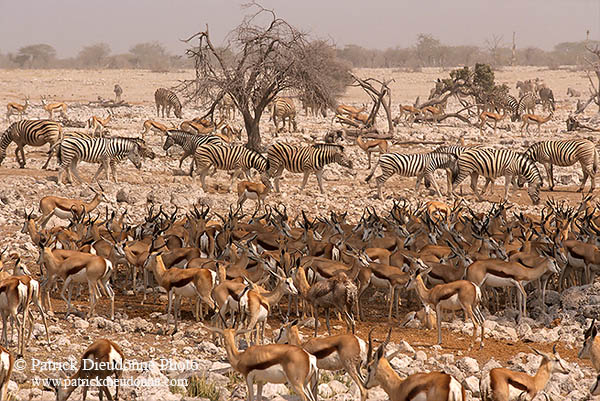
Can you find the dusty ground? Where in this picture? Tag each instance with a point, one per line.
(345, 190)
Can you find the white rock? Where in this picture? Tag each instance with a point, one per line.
(420, 356)
(471, 383)
(324, 390)
(337, 387)
(81, 324)
(272, 389)
(468, 364)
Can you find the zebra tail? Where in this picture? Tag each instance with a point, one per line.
(372, 171)
(595, 161)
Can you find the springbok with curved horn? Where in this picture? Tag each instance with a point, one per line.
(342, 351)
(100, 360)
(66, 208)
(461, 294)
(433, 386)
(271, 363)
(508, 385)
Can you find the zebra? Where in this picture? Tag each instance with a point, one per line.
(283, 107)
(222, 157)
(527, 103)
(189, 142)
(457, 150)
(573, 92)
(546, 97)
(32, 133)
(421, 165)
(166, 99)
(493, 163)
(106, 151)
(566, 153)
(510, 104)
(118, 92)
(304, 159)
(525, 87)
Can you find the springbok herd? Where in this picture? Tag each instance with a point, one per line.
(239, 270)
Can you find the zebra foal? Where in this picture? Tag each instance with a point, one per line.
(104, 151)
(304, 159)
(165, 100)
(420, 165)
(189, 142)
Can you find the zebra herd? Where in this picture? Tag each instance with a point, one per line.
(211, 151)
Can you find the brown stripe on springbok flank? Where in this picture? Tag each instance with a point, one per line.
(324, 352)
(234, 295)
(264, 364)
(447, 295)
(435, 276)
(517, 385)
(75, 270)
(379, 275)
(499, 273)
(183, 282)
(417, 389)
(576, 255)
(9, 283)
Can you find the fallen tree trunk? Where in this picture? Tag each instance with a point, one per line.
(418, 142)
(367, 133)
(574, 125)
(108, 104)
(65, 122)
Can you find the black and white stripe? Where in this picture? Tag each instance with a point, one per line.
(232, 158)
(189, 142)
(283, 107)
(304, 159)
(166, 100)
(527, 103)
(566, 153)
(494, 163)
(510, 104)
(420, 165)
(106, 151)
(30, 133)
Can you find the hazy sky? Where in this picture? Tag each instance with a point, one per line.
(68, 25)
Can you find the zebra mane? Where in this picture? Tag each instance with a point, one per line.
(139, 141)
(332, 146)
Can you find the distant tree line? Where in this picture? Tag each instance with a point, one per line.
(152, 56)
(428, 51)
(431, 52)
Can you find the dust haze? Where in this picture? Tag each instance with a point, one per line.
(70, 25)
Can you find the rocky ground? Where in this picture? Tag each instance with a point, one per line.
(142, 330)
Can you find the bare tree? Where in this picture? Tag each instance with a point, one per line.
(493, 45)
(263, 61)
(592, 66)
(381, 95)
